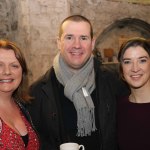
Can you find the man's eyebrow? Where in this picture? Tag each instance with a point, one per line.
(68, 35)
(84, 35)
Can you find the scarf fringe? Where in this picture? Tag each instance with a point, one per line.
(86, 123)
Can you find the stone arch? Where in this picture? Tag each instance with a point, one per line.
(130, 22)
(124, 28)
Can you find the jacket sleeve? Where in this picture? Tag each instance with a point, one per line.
(41, 110)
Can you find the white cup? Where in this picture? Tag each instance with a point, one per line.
(71, 146)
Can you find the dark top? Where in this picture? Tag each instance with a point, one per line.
(25, 139)
(133, 125)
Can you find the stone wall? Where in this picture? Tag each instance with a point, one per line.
(38, 24)
(8, 19)
(33, 24)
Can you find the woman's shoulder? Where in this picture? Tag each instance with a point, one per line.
(45, 77)
(123, 99)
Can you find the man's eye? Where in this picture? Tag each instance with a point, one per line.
(84, 38)
(68, 37)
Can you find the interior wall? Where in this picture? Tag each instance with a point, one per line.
(8, 19)
(38, 24)
(33, 24)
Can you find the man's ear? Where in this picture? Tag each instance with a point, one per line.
(58, 43)
(93, 43)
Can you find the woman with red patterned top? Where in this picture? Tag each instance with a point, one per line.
(16, 128)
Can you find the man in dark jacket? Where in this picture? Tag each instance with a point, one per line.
(75, 101)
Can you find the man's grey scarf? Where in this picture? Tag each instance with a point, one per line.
(77, 87)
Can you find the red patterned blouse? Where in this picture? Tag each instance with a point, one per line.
(10, 140)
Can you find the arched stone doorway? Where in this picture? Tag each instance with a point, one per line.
(111, 38)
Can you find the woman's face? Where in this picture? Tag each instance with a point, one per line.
(136, 67)
(10, 71)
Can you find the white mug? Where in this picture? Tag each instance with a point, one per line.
(71, 146)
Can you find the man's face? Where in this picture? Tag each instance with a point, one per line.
(75, 43)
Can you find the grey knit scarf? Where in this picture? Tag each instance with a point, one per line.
(77, 87)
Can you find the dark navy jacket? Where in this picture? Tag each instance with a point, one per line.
(46, 113)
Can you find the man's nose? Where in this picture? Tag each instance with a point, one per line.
(77, 43)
